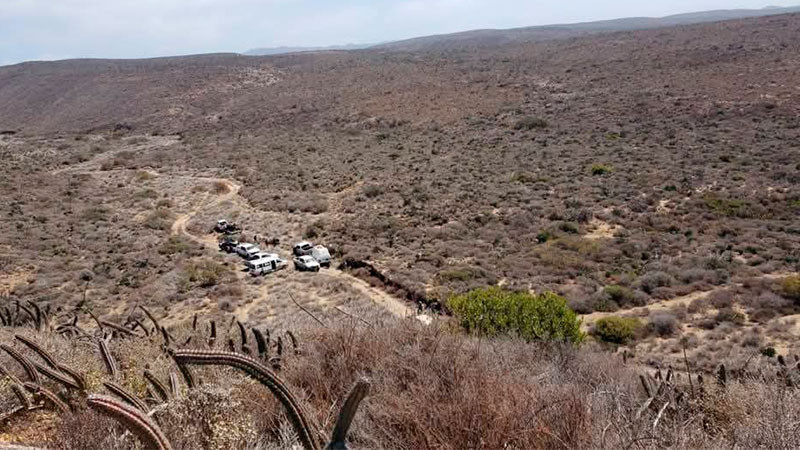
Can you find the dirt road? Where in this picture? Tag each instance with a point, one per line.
(394, 305)
(665, 305)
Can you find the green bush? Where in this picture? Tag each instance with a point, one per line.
(204, 273)
(615, 329)
(569, 227)
(495, 311)
(601, 169)
(619, 294)
(790, 287)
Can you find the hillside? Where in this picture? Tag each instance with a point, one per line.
(645, 176)
(482, 38)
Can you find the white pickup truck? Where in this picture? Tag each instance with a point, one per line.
(319, 252)
(247, 251)
(306, 263)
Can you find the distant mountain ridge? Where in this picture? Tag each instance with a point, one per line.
(483, 37)
(266, 51)
(561, 31)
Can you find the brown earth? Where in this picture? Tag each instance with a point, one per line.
(662, 161)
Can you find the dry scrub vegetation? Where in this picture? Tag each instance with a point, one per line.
(430, 387)
(647, 178)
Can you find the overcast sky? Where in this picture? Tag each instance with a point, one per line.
(58, 29)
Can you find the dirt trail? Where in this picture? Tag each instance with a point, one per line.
(182, 221)
(392, 304)
(662, 305)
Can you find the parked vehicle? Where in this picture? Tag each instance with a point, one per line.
(302, 248)
(322, 255)
(223, 226)
(265, 265)
(228, 245)
(306, 263)
(318, 252)
(248, 251)
(260, 255)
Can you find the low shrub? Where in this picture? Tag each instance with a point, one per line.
(663, 324)
(652, 280)
(616, 330)
(530, 123)
(730, 315)
(569, 227)
(601, 169)
(146, 194)
(174, 245)
(160, 219)
(495, 311)
(373, 190)
(620, 294)
(204, 273)
(790, 287)
(220, 187)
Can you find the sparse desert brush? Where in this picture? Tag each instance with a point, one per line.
(146, 194)
(160, 219)
(204, 272)
(621, 295)
(616, 330)
(653, 280)
(220, 187)
(136, 140)
(663, 324)
(373, 190)
(731, 315)
(176, 244)
(790, 287)
(530, 123)
(143, 175)
(496, 311)
(601, 169)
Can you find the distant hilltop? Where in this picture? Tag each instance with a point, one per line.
(490, 37)
(283, 50)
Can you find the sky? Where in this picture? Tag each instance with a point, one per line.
(61, 29)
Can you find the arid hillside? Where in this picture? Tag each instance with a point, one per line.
(650, 178)
(663, 163)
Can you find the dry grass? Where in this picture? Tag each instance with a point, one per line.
(432, 388)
